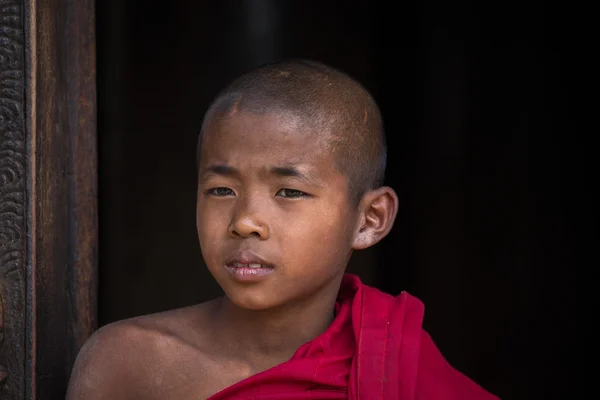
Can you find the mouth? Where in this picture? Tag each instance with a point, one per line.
(237, 264)
(247, 259)
(246, 266)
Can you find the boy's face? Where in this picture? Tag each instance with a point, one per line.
(274, 220)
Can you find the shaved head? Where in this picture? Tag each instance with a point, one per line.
(323, 99)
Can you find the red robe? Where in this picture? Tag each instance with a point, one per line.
(374, 349)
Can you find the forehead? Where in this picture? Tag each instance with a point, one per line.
(271, 137)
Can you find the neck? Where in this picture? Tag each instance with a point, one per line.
(270, 337)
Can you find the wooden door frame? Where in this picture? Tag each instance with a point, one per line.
(48, 193)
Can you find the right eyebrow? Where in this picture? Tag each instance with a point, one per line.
(218, 169)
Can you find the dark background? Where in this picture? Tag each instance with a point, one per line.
(474, 111)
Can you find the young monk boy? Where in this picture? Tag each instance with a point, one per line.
(291, 162)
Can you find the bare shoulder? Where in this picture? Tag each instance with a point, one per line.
(103, 365)
(140, 357)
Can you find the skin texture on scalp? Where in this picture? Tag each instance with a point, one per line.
(326, 100)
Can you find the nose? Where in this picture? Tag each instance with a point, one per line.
(248, 222)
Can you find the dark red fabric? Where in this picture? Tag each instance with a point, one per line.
(395, 358)
(374, 349)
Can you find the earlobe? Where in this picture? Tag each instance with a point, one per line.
(378, 209)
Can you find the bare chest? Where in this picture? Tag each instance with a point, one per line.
(187, 375)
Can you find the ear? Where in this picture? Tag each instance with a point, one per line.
(377, 212)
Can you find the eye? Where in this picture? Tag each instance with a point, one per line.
(220, 192)
(291, 193)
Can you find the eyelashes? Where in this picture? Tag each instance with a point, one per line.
(284, 192)
(220, 192)
(291, 193)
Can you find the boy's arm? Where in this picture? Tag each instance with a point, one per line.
(106, 366)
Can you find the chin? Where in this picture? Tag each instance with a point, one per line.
(247, 301)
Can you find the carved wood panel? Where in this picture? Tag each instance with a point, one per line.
(13, 185)
(48, 221)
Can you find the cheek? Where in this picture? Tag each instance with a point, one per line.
(208, 237)
(210, 221)
(316, 231)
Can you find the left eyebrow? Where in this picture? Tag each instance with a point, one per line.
(293, 172)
